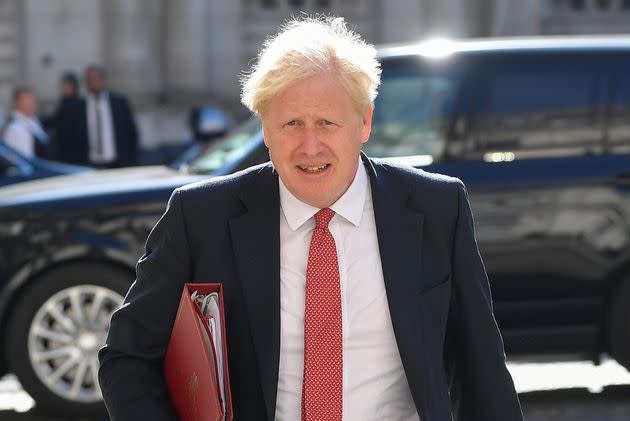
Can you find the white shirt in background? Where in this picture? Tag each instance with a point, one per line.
(108, 151)
(21, 132)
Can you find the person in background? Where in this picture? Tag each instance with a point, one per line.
(24, 132)
(69, 86)
(100, 129)
(112, 132)
(61, 125)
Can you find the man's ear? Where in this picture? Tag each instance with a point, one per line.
(366, 127)
(265, 137)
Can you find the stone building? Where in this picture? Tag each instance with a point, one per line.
(182, 52)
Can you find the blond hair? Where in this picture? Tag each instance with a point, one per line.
(308, 46)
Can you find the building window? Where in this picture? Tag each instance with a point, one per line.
(558, 5)
(625, 5)
(603, 4)
(269, 4)
(577, 5)
(322, 4)
(296, 3)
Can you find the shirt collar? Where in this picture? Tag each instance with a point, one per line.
(103, 95)
(23, 118)
(349, 205)
(18, 115)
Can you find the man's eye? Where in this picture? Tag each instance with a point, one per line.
(328, 123)
(292, 123)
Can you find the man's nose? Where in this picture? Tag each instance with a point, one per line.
(311, 141)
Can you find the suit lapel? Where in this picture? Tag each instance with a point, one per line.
(399, 229)
(256, 243)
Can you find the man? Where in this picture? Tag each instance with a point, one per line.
(354, 289)
(24, 131)
(99, 130)
(69, 85)
(64, 119)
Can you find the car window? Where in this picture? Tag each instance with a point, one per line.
(412, 111)
(534, 106)
(619, 120)
(233, 146)
(8, 168)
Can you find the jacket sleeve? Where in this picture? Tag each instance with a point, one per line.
(481, 387)
(130, 372)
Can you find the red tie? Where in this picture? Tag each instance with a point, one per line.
(323, 335)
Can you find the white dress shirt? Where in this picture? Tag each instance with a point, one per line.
(374, 383)
(108, 145)
(21, 133)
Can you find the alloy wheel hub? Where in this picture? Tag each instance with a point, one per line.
(64, 338)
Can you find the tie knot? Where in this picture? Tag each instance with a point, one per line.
(323, 217)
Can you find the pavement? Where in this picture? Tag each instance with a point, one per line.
(566, 391)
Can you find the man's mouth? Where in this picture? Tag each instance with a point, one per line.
(314, 169)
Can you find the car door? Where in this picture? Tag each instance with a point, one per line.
(528, 143)
(13, 169)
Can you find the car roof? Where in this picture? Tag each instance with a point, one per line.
(445, 47)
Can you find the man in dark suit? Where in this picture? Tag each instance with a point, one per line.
(64, 119)
(99, 130)
(353, 288)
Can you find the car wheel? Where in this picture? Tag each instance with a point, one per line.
(55, 331)
(619, 324)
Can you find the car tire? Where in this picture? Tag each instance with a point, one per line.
(55, 331)
(619, 324)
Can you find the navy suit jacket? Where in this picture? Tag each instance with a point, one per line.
(71, 131)
(227, 230)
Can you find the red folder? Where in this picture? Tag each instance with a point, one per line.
(190, 363)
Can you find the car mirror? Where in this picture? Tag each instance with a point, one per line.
(209, 122)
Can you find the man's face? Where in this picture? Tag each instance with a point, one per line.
(67, 89)
(314, 135)
(27, 104)
(94, 81)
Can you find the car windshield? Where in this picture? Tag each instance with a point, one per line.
(231, 147)
(411, 112)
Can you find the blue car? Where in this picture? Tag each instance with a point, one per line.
(16, 168)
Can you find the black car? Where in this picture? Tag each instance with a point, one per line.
(15, 168)
(538, 129)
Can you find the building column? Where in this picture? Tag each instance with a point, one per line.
(56, 36)
(403, 20)
(224, 48)
(517, 18)
(12, 57)
(186, 50)
(132, 48)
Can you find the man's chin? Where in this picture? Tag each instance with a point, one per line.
(321, 199)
